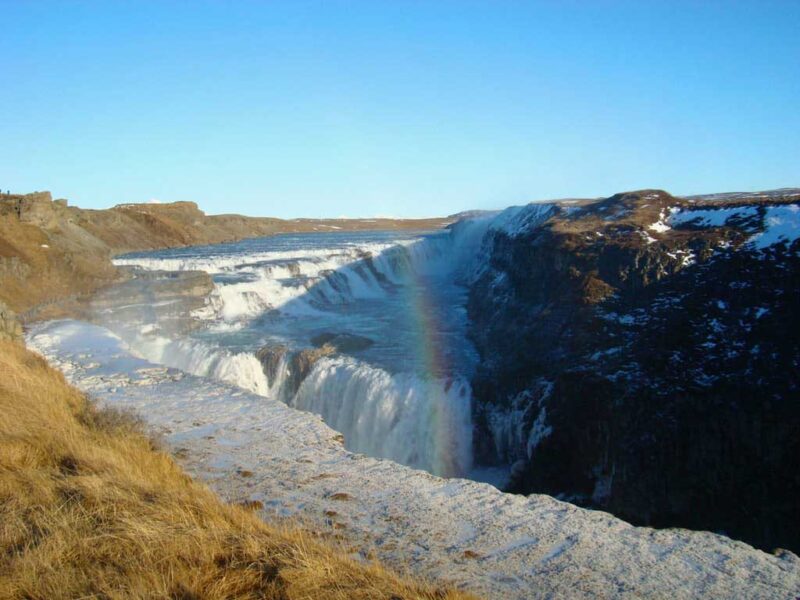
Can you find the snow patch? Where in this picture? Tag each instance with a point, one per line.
(781, 224)
(711, 217)
(660, 226)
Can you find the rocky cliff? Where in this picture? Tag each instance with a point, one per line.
(639, 355)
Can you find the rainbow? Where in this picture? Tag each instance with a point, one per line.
(446, 394)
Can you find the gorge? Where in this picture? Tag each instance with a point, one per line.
(633, 354)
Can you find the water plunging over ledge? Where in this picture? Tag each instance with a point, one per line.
(367, 330)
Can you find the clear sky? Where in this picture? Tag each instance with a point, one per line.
(395, 108)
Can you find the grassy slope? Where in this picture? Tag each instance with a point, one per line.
(90, 509)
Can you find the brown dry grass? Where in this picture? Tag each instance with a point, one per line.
(89, 508)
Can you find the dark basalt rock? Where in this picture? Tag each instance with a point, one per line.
(342, 342)
(638, 381)
(298, 365)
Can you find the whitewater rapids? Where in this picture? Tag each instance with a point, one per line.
(406, 397)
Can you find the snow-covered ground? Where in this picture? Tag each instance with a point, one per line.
(779, 223)
(468, 533)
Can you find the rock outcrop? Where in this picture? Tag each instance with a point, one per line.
(10, 328)
(296, 365)
(342, 342)
(639, 355)
(37, 208)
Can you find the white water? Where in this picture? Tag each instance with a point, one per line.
(423, 423)
(406, 397)
(201, 358)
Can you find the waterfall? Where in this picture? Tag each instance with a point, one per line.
(419, 417)
(422, 423)
(197, 358)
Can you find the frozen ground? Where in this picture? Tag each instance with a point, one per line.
(468, 533)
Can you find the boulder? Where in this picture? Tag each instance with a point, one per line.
(342, 342)
(298, 367)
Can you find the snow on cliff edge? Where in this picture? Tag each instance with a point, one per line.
(499, 545)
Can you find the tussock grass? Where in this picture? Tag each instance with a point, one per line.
(90, 508)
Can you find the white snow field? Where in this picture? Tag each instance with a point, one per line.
(516, 547)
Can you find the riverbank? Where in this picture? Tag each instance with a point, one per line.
(91, 507)
(254, 449)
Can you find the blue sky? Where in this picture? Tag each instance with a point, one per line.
(395, 108)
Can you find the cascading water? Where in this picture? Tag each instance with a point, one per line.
(402, 394)
(423, 423)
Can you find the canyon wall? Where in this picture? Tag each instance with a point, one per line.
(639, 355)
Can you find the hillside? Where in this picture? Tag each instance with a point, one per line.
(51, 252)
(91, 508)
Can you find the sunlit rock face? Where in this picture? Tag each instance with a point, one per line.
(10, 329)
(639, 354)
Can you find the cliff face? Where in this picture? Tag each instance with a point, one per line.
(639, 355)
(52, 254)
(45, 255)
